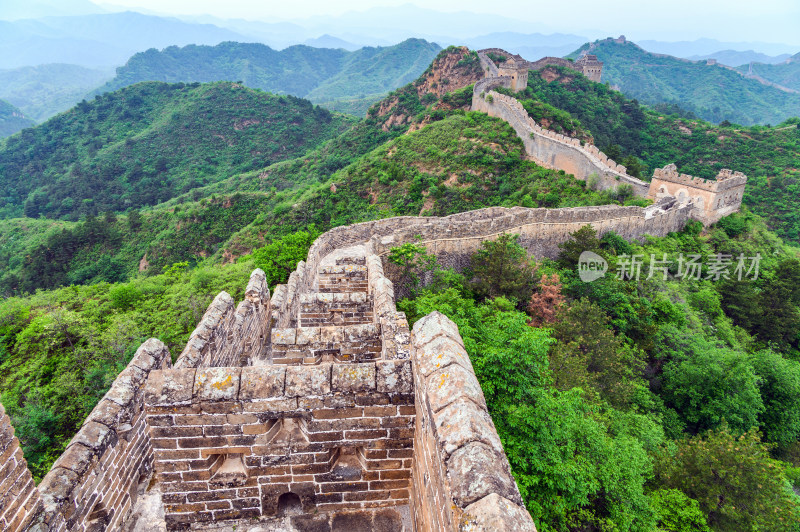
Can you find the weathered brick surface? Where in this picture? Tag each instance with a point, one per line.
(231, 337)
(19, 498)
(461, 476)
(326, 433)
(95, 481)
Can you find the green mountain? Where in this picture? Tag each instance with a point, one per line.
(45, 90)
(713, 92)
(319, 74)
(147, 143)
(785, 74)
(12, 119)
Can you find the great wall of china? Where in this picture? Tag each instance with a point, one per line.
(314, 407)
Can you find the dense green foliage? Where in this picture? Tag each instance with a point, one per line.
(12, 119)
(319, 74)
(641, 405)
(712, 92)
(44, 90)
(147, 143)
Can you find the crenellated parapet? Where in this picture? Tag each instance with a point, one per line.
(710, 199)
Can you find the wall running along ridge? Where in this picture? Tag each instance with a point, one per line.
(709, 200)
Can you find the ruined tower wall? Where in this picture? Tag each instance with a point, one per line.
(553, 150)
(230, 441)
(19, 498)
(94, 483)
(228, 336)
(461, 475)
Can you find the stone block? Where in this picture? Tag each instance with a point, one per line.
(308, 380)
(307, 335)
(394, 376)
(353, 377)
(170, 386)
(462, 422)
(447, 384)
(262, 382)
(475, 471)
(95, 436)
(433, 325)
(495, 513)
(217, 384)
(440, 353)
(284, 336)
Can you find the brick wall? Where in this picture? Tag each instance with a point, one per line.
(462, 479)
(227, 336)
(19, 498)
(229, 442)
(94, 483)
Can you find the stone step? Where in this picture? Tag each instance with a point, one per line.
(312, 345)
(351, 260)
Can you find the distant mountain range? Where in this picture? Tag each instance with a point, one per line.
(98, 40)
(713, 92)
(44, 90)
(319, 74)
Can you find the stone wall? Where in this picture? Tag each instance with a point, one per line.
(462, 479)
(710, 200)
(553, 150)
(226, 336)
(231, 443)
(19, 498)
(93, 485)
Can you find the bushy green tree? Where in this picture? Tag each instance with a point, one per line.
(738, 486)
(501, 268)
(279, 258)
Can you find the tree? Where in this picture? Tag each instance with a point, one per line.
(677, 512)
(738, 486)
(711, 386)
(501, 268)
(780, 298)
(414, 263)
(588, 354)
(544, 304)
(279, 258)
(779, 385)
(584, 239)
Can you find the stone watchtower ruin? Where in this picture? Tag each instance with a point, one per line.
(710, 200)
(590, 67)
(516, 70)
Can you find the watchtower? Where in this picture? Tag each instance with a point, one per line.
(517, 71)
(590, 67)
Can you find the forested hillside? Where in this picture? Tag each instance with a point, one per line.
(319, 74)
(713, 92)
(12, 119)
(643, 139)
(786, 74)
(150, 142)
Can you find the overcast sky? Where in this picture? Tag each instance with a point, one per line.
(727, 20)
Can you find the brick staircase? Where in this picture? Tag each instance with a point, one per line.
(336, 321)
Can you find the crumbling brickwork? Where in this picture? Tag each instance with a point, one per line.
(19, 498)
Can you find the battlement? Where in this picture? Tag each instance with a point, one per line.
(710, 200)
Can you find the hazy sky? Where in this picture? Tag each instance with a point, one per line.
(729, 20)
